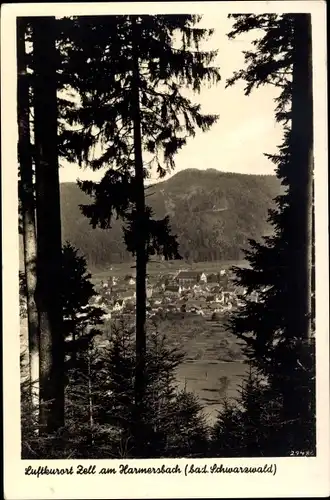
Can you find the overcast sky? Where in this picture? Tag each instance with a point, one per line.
(245, 130)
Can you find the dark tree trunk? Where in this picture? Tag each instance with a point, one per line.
(28, 210)
(141, 255)
(74, 338)
(90, 400)
(297, 398)
(302, 158)
(49, 251)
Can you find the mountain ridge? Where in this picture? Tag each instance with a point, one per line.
(213, 214)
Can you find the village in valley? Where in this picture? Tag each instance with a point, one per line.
(190, 292)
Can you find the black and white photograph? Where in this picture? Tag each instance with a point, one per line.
(165, 274)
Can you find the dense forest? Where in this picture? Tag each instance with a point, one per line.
(212, 213)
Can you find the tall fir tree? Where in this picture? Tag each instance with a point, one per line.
(278, 328)
(132, 104)
(49, 249)
(81, 318)
(27, 207)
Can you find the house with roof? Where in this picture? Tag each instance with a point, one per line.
(227, 297)
(210, 298)
(112, 280)
(118, 306)
(223, 279)
(172, 291)
(185, 278)
(202, 278)
(129, 280)
(128, 295)
(194, 309)
(254, 296)
(219, 298)
(213, 278)
(118, 290)
(240, 291)
(194, 303)
(159, 287)
(157, 300)
(129, 305)
(215, 308)
(97, 299)
(165, 279)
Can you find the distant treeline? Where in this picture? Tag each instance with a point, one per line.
(213, 214)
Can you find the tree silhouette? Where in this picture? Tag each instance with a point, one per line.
(133, 105)
(49, 249)
(82, 322)
(81, 318)
(27, 206)
(278, 328)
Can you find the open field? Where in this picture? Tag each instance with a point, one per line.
(200, 338)
(158, 268)
(214, 365)
(212, 382)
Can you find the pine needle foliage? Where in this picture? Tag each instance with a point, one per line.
(132, 106)
(169, 60)
(100, 409)
(172, 423)
(270, 326)
(81, 324)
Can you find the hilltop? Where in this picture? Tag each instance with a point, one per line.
(213, 214)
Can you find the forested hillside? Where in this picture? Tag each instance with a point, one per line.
(212, 212)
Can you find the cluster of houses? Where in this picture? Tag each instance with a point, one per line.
(185, 291)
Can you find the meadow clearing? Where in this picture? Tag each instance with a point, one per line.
(214, 366)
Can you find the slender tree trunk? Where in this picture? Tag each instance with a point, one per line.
(49, 251)
(73, 339)
(297, 399)
(90, 400)
(302, 157)
(28, 211)
(141, 257)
